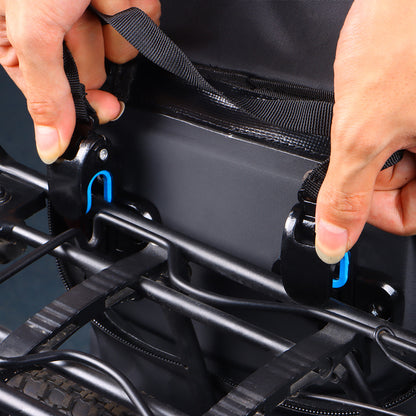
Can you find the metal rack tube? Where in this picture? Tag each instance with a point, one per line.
(341, 314)
(211, 316)
(257, 278)
(230, 266)
(169, 297)
(23, 173)
(86, 261)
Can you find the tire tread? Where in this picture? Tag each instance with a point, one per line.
(64, 395)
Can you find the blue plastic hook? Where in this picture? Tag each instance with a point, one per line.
(108, 188)
(344, 266)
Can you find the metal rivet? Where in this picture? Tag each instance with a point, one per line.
(147, 215)
(375, 310)
(103, 154)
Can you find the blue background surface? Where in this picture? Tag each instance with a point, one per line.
(39, 284)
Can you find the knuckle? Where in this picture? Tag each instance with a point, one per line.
(4, 39)
(42, 40)
(8, 57)
(3, 27)
(93, 80)
(152, 8)
(26, 44)
(357, 135)
(347, 206)
(155, 10)
(43, 112)
(363, 149)
(408, 231)
(408, 227)
(356, 144)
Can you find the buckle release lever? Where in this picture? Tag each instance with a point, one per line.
(71, 177)
(306, 278)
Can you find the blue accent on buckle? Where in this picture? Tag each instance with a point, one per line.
(344, 266)
(108, 188)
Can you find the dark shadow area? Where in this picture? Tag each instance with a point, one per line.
(39, 284)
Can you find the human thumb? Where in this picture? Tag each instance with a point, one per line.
(39, 49)
(50, 104)
(343, 205)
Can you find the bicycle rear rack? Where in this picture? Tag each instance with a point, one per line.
(315, 360)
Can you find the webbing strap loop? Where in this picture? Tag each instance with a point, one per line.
(313, 181)
(304, 115)
(83, 110)
(310, 116)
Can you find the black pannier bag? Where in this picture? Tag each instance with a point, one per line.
(218, 151)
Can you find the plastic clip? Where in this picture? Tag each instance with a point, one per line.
(344, 267)
(108, 188)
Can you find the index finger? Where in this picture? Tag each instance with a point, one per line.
(117, 49)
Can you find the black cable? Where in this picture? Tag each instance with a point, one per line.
(139, 231)
(377, 336)
(176, 264)
(176, 272)
(212, 298)
(176, 279)
(86, 359)
(232, 302)
(36, 254)
(352, 403)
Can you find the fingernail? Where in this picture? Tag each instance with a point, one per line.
(331, 242)
(47, 143)
(122, 108)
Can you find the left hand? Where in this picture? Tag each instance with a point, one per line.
(31, 39)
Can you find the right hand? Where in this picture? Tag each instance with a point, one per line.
(374, 116)
(31, 39)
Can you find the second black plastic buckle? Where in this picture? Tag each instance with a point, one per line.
(306, 278)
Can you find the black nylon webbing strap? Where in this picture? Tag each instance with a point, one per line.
(303, 115)
(141, 32)
(310, 116)
(312, 183)
(84, 112)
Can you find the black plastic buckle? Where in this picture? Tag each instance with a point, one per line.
(71, 177)
(306, 278)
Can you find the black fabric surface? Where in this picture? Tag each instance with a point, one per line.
(292, 40)
(295, 114)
